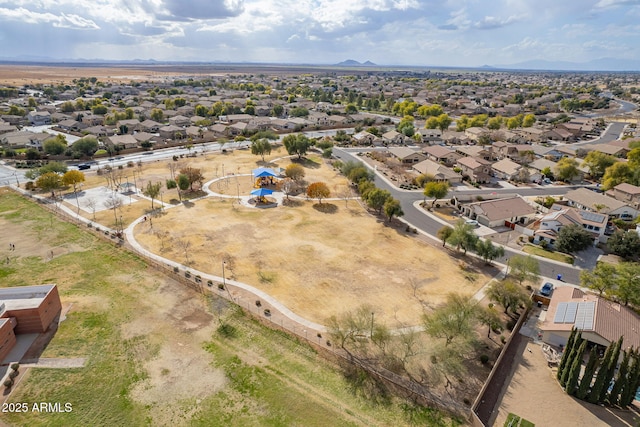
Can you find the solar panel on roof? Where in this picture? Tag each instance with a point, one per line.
(560, 311)
(592, 216)
(585, 315)
(570, 314)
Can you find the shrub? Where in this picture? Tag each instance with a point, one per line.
(175, 269)
(221, 286)
(267, 312)
(503, 339)
(258, 303)
(209, 283)
(530, 238)
(484, 359)
(15, 366)
(8, 382)
(13, 374)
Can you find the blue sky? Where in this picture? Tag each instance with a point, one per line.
(387, 32)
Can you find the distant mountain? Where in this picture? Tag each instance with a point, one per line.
(601, 64)
(354, 63)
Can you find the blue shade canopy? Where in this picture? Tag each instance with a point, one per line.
(261, 192)
(263, 172)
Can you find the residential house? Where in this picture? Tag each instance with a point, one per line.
(601, 321)
(124, 141)
(39, 118)
(475, 151)
(612, 150)
(180, 121)
(6, 128)
(72, 125)
(477, 169)
(150, 126)
(505, 169)
(407, 155)
(627, 193)
(438, 171)
(393, 137)
(500, 212)
(145, 137)
(131, 125)
(364, 138)
(171, 132)
(430, 136)
(441, 154)
(585, 199)
(92, 119)
(560, 216)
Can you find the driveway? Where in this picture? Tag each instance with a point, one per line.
(587, 258)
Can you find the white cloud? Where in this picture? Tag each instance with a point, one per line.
(61, 21)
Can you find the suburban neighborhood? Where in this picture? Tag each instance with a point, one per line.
(445, 236)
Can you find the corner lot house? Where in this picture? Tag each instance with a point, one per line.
(601, 321)
(500, 212)
(406, 155)
(438, 171)
(626, 193)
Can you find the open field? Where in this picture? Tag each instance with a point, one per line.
(317, 263)
(153, 356)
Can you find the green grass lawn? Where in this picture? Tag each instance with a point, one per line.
(557, 256)
(272, 379)
(515, 421)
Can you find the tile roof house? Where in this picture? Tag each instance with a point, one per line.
(477, 169)
(559, 216)
(585, 199)
(600, 320)
(498, 212)
(39, 118)
(505, 169)
(126, 141)
(407, 155)
(626, 193)
(441, 154)
(393, 137)
(438, 171)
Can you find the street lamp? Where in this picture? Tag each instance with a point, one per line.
(224, 282)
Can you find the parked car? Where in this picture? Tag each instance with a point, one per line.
(84, 166)
(546, 289)
(472, 222)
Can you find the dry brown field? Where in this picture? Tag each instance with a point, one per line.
(318, 262)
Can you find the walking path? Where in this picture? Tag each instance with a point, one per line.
(60, 363)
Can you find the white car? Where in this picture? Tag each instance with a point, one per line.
(472, 222)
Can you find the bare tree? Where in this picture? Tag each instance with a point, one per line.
(185, 245)
(115, 203)
(92, 204)
(289, 186)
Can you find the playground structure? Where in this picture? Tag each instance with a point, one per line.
(264, 177)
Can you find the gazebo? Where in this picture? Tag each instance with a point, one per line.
(260, 194)
(263, 177)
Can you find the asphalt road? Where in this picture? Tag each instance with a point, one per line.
(416, 218)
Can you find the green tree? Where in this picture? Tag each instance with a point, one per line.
(624, 243)
(183, 182)
(564, 361)
(528, 120)
(601, 278)
(55, 146)
(86, 146)
(406, 126)
(627, 283)
(489, 317)
(574, 371)
(297, 144)
(445, 234)
(277, 110)
(99, 109)
(611, 368)
(437, 190)
(508, 294)
(495, 123)
(261, 147)
(453, 320)
(157, 115)
(295, 172)
(194, 175)
(376, 199)
(573, 238)
(49, 181)
(566, 169)
(73, 178)
(444, 121)
(629, 390)
(587, 377)
(524, 268)
(617, 173)
(463, 236)
(392, 208)
(598, 163)
(621, 379)
(488, 251)
(152, 190)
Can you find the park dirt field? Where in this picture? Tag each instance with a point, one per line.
(318, 260)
